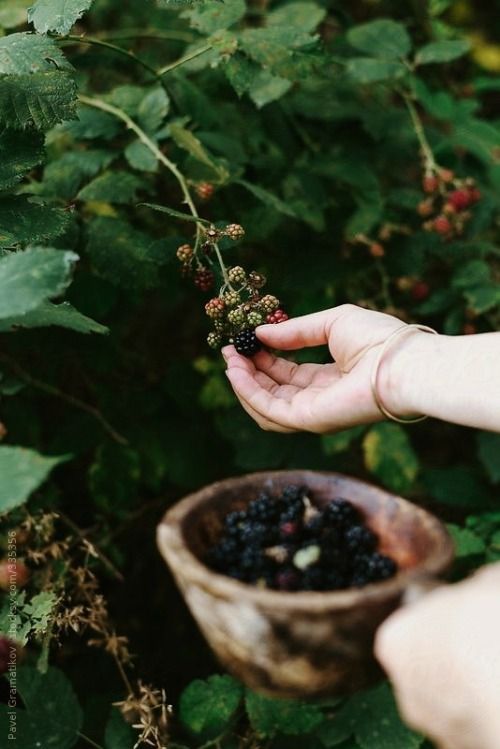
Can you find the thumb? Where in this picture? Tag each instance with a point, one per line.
(301, 332)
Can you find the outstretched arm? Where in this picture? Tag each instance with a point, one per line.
(451, 378)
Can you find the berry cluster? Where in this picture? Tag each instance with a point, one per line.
(240, 306)
(446, 209)
(286, 543)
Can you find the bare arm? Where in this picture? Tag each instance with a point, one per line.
(452, 378)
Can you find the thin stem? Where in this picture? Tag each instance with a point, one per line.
(89, 741)
(104, 559)
(71, 39)
(227, 282)
(430, 162)
(121, 115)
(71, 399)
(182, 60)
(175, 36)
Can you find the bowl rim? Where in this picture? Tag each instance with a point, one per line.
(174, 549)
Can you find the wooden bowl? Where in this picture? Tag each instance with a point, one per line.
(304, 644)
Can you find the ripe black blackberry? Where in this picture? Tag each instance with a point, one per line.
(293, 493)
(264, 508)
(285, 543)
(246, 343)
(341, 514)
(381, 567)
(359, 539)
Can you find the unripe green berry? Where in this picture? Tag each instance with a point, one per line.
(269, 303)
(231, 298)
(237, 275)
(255, 318)
(236, 316)
(215, 308)
(234, 231)
(214, 339)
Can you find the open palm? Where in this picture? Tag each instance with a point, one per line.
(286, 397)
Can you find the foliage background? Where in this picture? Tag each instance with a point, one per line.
(308, 147)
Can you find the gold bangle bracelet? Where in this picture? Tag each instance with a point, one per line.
(374, 375)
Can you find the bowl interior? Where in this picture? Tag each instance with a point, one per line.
(414, 538)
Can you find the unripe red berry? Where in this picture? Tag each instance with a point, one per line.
(204, 279)
(446, 175)
(449, 209)
(205, 190)
(442, 225)
(475, 195)
(469, 329)
(425, 208)
(420, 291)
(460, 199)
(430, 183)
(276, 317)
(215, 308)
(376, 249)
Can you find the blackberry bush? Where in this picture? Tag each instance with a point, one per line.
(137, 142)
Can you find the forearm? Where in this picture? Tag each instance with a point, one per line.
(454, 378)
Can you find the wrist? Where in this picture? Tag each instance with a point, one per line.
(405, 371)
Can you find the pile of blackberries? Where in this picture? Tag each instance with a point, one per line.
(286, 543)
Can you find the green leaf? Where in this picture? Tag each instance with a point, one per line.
(390, 456)
(91, 123)
(112, 187)
(267, 87)
(140, 157)
(119, 734)
(444, 51)
(22, 472)
(370, 70)
(212, 15)
(472, 273)
(488, 447)
(267, 198)
(382, 38)
(51, 718)
(125, 256)
(13, 14)
(30, 277)
(375, 721)
(483, 297)
(57, 15)
(30, 53)
(63, 176)
(39, 100)
(63, 315)
(332, 444)
(466, 542)
(19, 152)
(269, 716)
(189, 142)
(177, 214)
(461, 486)
(40, 609)
(22, 222)
(304, 15)
(274, 47)
(207, 707)
(153, 109)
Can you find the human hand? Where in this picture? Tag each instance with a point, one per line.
(442, 655)
(285, 397)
